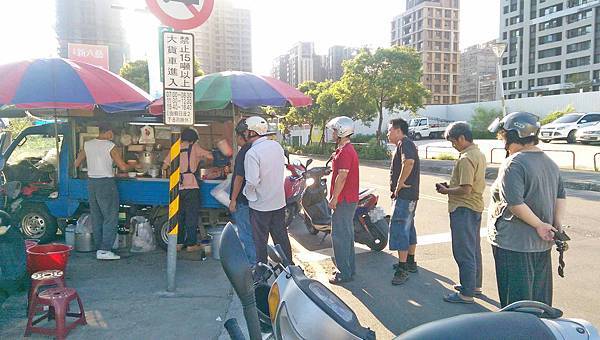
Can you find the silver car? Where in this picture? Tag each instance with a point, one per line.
(565, 127)
(589, 134)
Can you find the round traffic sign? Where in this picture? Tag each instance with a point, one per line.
(181, 14)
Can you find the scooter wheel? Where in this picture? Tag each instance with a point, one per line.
(379, 241)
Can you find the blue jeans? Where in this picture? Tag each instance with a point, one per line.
(465, 225)
(104, 210)
(241, 217)
(402, 226)
(342, 237)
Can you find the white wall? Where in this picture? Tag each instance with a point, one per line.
(541, 106)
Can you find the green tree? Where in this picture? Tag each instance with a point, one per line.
(482, 119)
(332, 103)
(306, 115)
(388, 79)
(137, 73)
(557, 114)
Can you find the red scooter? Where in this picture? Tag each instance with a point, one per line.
(294, 184)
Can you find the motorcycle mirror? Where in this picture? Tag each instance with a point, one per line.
(273, 255)
(287, 154)
(237, 268)
(283, 259)
(309, 162)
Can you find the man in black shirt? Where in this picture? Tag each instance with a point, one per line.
(404, 185)
(240, 211)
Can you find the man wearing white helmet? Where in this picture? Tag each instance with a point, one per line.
(264, 167)
(344, 198)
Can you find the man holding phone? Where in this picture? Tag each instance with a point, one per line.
(465, 205)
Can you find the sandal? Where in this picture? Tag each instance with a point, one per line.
(337, 279)
(456, 298)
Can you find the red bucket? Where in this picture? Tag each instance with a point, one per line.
(30, 243)
(47, 257)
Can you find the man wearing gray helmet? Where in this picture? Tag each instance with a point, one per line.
(528, 202)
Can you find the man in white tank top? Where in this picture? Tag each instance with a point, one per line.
(100, 154)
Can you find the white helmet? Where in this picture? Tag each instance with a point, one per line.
(258, 125)
(343, 126)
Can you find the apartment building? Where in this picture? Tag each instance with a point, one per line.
(553, 47)
(478, 73)
(224, 41)
(432, 28)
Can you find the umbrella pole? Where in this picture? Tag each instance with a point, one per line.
(234, 139)
(57, 149)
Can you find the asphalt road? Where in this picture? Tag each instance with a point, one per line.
(390, 310)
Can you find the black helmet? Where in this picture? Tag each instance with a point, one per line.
(524, 123)
(241, 127)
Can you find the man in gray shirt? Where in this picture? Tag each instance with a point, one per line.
(264, 167)
(528, 202)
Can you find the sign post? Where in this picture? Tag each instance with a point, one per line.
(178, 94)
(178, 97)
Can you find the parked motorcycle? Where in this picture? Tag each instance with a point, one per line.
(294, 185)
(297, 307)
(371, 225)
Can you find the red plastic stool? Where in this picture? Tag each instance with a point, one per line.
(58, 300)
(43, 279)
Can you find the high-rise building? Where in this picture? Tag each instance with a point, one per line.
(224, 41)
(301, 63)
(432, 28)
(335, 58)
(280, 67)
(91, 22)
(553, 46)
(319, 68)
(478, 69)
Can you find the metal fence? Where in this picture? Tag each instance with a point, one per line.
(563, 151)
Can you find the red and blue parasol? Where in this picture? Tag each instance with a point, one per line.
(57, 83)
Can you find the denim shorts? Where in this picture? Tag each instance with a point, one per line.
(402, 225)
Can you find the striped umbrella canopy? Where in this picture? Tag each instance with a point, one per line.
(242, 89)
(56, 83)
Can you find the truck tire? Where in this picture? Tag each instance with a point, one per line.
(36, 222)
(417, 136)
(161, 230)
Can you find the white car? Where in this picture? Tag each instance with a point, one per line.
(589, 134)
(565, 127)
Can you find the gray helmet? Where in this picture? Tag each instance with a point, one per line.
(524, 123)
(342, 125)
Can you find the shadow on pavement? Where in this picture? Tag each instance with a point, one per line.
(400, 308)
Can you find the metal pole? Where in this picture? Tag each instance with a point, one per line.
(57, 150)
(501, 85)
(234, 137)
(173, 208)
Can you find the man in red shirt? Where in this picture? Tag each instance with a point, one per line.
(344, 198)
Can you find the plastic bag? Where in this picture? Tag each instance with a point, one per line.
(84, 224)
(221, 191)
(143, 236)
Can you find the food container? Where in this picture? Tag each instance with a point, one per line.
(70, 235)
(84, 242)
(154, 172)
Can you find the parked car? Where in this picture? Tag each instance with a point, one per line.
(427, 127)
(565, 127)
(589, 134)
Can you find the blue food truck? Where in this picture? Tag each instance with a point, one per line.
(43, 197)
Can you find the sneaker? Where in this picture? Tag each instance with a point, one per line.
(400, 277)
(106, 255)
(411, 267)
